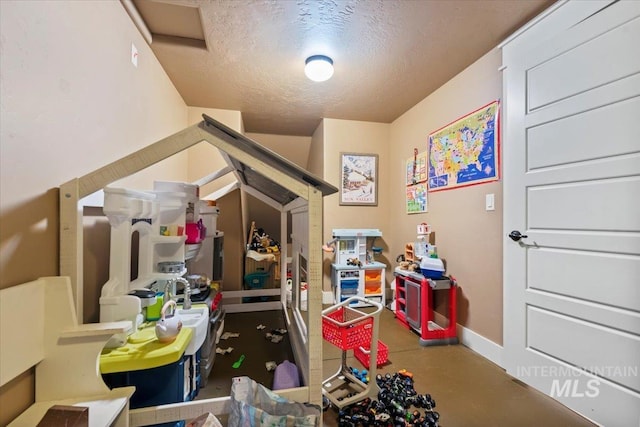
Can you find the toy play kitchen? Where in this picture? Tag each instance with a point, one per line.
(355, 272)
(416, 279)
(154, 236)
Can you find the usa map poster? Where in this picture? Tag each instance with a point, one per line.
(466, 152)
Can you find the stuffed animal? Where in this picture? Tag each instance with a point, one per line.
(263, 243)
(408, 265)
(354, 261)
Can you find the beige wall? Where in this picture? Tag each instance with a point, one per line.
(69, 105)
(467, 236)
(315, 163)
(356, 137)
(71, 102)
(293, 148)
(204, 158)
(230, 223)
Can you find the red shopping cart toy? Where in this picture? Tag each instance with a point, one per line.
(350, 329)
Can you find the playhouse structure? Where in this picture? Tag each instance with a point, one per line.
(262, 173)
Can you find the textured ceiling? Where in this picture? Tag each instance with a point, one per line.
(388, 54)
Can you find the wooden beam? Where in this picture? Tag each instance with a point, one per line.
(140, 159)
(190, 410)
(227, 159)
(288, 182)
(220, 192)
(314, 296)
(284, 253)
(299, 202)
(71, 238)
(262, 197)
(213, 176)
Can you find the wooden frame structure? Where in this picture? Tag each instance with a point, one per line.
(262, 173)
(39, 328)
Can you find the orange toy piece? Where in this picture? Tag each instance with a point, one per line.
(405, 373)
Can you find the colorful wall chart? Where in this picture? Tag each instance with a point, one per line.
(417, 168)
(417, 198)
(416, 182)
(466, 152)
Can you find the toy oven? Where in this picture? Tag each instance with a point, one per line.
(349, 283)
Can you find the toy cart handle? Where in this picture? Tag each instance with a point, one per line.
(365, 351)
(347, 302)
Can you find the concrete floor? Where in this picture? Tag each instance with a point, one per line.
(468, 389)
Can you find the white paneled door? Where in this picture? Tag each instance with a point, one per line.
(572, 208)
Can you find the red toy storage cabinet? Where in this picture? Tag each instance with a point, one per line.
(414, 306)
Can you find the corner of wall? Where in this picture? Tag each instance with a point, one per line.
(315, 162)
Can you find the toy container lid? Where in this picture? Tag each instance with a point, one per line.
(434, 264)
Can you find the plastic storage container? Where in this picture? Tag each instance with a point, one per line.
(432, 268)
(256, 280)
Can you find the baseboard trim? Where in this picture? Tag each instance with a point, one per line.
(327, 297)
(481, 345)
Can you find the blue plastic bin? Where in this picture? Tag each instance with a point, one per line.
(256, 280)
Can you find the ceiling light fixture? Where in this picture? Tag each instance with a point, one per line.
(318, 68)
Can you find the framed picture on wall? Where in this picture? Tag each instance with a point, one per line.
(359, 179)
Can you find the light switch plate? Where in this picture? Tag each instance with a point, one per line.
(490, 202)
(134, 55)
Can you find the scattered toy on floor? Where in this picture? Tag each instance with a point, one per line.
(238, 362)
(271, 366)
(274, 338)
(260, 327)
(228, 335)
(326, 403)
(224, 350)
(396, 398)
(362, 375)
(405, 373)
(286, 376)
(275, 335)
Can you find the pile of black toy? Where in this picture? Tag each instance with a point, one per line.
(398, 405)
